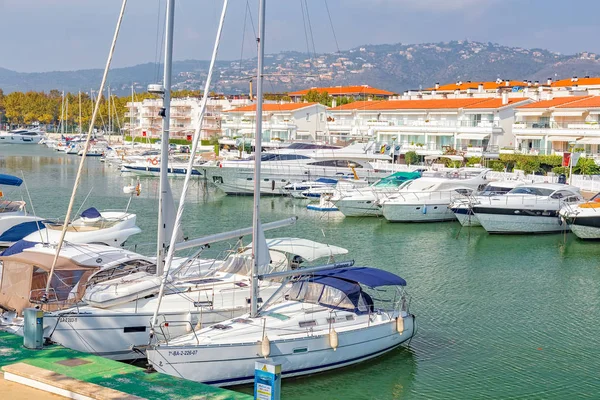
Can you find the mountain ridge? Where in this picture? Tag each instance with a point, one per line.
(395, 67)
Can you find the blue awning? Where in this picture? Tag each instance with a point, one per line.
(368, 276)
(10, 180)
(91, 213)
(18, 247)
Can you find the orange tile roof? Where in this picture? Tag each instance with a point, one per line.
(270, 107)
(586, 102)
(579, 82)
(355, 105)
(491, 85)
(411, 104)
(496, 103)
(557, 101)
(345, 90)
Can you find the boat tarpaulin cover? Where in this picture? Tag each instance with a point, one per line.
(17, 247)
(371, 277)
(10, 180)
(91, 213)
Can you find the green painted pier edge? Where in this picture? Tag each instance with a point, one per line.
(108, 373)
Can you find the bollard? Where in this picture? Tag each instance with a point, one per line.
(267, 380)
(33, 328)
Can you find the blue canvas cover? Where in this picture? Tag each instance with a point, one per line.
(19, 231)
(10, 180)
(368, 276)
(91, 213)
(17, 248)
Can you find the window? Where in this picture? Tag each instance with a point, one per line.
(337, 164)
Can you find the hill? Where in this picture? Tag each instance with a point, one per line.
(395, 67)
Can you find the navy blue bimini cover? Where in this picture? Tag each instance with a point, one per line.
(18, 247)
(91, 213)
(21, 230)
(10, 180)
(329, 181)
(368, 276)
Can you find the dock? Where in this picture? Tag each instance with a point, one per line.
(67, 372)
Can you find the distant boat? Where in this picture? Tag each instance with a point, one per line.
(22, 136)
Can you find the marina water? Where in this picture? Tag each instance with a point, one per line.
(498, 316)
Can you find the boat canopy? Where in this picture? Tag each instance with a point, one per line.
(10, 180)
(372, 277)
(397, 178)
(17, 247)
(91, 213)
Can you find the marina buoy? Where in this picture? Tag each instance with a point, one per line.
(425, 209)
(400, 325)
(333, 339)
(265, 347)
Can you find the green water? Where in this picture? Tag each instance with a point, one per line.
(499, 316)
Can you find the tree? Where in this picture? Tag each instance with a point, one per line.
(411, 157)
(313, 96)
(586, 166)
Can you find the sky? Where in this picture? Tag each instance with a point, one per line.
(49, 35)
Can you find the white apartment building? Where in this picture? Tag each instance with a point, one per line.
(143, 119)
(429, 126)
(284, 122)
(554, 126)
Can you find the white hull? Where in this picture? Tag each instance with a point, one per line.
(585, 232)
(418, 212)
(467, 218)
(233, 364)
(499, 223)
(359, 206)
(8, 138)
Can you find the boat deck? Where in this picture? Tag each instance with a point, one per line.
(107, 373)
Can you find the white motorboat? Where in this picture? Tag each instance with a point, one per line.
(22, 136)
(531, 208)
(428, 199)
(111, 228)
(584, 218)
(14, 220)
(328, 321)
(296, 163)
(297, 189)
(463, 208)
(363, 202)
(151, 167)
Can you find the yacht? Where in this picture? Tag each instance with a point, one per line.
(363, 202)
(531, 208)
(151, 167)
(327, 320)
(296, 163)
(584, 218)
(463, 207)
(22, 136)
(110, 228)
(428, 199)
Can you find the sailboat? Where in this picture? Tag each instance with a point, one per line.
(326, 319)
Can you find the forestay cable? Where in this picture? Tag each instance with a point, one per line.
(85, 149)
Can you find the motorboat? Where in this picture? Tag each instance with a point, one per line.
(530, 208)
(15, 222)
(328, 321)
(584, 218)
(428, 199)
(22, 136)
(109, 227)
(296, 163)
(151, 167)
(463, 207)
(297, 189)
(363, 202)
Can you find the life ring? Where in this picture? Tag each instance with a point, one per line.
(154, 161)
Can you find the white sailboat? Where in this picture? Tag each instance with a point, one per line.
(325, 311)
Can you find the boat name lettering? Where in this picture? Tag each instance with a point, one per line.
(67, 319)
(178, 353)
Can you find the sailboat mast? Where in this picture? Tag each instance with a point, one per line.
(257, 157)
(80, 126)
(131, 131)
(62, 114)
(164, 151)
(108, 106)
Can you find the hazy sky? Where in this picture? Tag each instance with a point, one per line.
(44, 35)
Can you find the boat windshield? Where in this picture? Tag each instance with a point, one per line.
(279, 157)
(123, 269)
(317, 293)
(536, 191)
(310, 146)
(494, 190)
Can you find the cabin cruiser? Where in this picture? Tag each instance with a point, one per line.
(110, 228)
(298, 189)
(22, 136)
(428, 199)
(531, 208)
(320, 313)
(363, 202)
(463, 207)
(14, 220)
(296, 163)
(584, 218)
(121, 297)
(151, 167)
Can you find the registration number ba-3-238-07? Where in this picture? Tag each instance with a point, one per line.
(179, 353)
